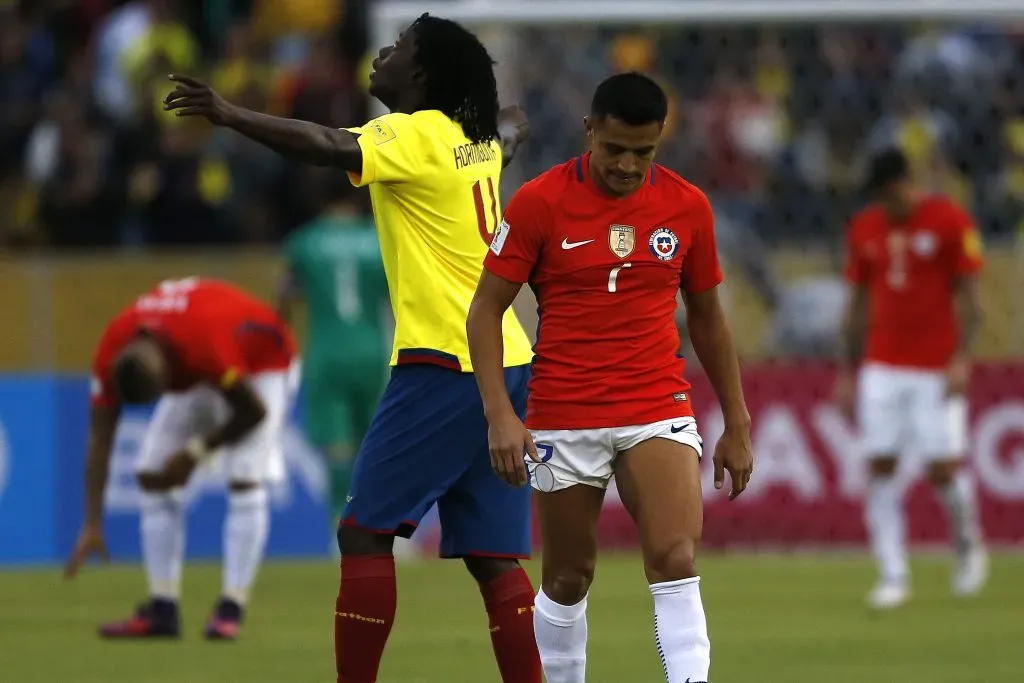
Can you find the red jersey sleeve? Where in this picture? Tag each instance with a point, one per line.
(701, 270)
(519, 239)
(856, 271)
(966, 247)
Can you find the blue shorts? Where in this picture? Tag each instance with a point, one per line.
(428, 443)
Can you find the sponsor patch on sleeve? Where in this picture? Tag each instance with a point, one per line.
(380, 132)
(498, 241)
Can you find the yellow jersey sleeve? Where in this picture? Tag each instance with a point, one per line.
(393, 151)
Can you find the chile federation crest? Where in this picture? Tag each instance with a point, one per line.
(664, 244)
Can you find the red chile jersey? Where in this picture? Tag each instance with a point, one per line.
(605, 272)
(910, 269)
(213, 333)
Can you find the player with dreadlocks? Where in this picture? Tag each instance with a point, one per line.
(432, 166)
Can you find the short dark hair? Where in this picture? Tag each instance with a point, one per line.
(133, 382)
(458, 75)
(886, 167)
(632, 98)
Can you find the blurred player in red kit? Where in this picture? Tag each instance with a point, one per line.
(606, 241)
(218, 362)
(912, 265)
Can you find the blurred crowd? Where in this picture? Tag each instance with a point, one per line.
(88, 157)
(776, 122)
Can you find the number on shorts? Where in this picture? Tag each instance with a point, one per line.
(171, 296)
(613, 276)
(486, 229)
(545, 451)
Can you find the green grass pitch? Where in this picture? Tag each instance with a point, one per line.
(773, 619)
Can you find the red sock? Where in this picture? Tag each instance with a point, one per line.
(363, 615)
(509, 602)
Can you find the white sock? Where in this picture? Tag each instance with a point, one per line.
(886, 523)
(561, 632)
(162, 526)
(245, 537)
(680, 630)
(962, 507)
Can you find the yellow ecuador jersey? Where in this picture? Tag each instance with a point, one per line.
(435, 202)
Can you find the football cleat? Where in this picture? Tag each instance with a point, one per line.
(970, 573)
(888, 595)
(226, 621)
(153, 619)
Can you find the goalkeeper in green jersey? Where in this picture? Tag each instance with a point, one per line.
(334, 267)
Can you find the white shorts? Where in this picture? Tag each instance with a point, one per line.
(903, 410)
(178, 417)
(587, 456)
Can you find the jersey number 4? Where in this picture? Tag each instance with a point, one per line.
(486, 210)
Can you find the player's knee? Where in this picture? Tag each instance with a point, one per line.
(569, 585)
(941, 474)
(484, 570)
(671, 561)
(353, 540)
(883, 467)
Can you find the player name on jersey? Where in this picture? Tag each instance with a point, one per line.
(473, 153)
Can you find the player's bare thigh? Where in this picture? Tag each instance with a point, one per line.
(659, 483)
(568, 525)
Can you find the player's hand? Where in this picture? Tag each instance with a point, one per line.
(734, 453)
(192, 97)
(90, 542)
(844, 393)
(508, 439)
(178, 469)
(958, 372)
(515, 117)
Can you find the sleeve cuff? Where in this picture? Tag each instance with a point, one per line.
(369, 172)
(505, 270)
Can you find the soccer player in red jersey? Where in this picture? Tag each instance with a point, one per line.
(912, 265)
(219, 361)
(605, 241)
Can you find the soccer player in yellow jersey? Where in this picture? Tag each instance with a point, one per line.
(432, 165)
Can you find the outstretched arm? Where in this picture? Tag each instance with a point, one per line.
(302, 140)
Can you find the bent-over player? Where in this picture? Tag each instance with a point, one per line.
(912, 266)
(219, 362)
(606, 241)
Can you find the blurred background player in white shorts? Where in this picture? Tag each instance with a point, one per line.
(218, 362)
(912, 267)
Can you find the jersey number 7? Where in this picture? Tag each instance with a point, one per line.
(486, 231)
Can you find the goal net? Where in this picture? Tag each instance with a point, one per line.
(776, 107)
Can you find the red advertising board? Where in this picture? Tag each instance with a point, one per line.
(810, 474)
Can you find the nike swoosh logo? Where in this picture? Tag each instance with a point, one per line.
(676, 430)
(566, 244)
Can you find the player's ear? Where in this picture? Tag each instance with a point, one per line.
(588, 126)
